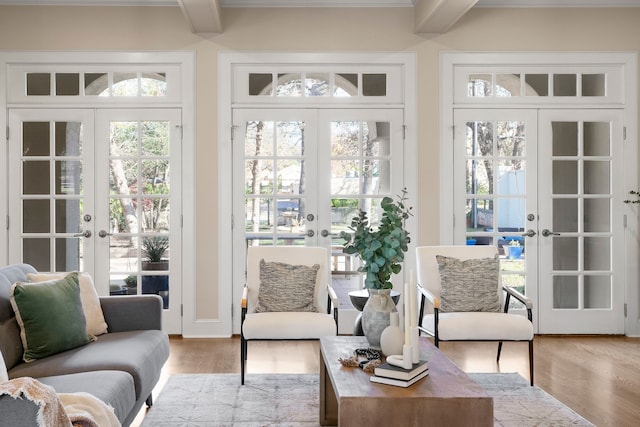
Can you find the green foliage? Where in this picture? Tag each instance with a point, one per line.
(154, 247)
(382, 250)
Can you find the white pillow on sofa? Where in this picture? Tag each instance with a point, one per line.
(96, 324)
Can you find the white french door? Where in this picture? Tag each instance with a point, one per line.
(88, 187)
(545, 186)
(301, 175)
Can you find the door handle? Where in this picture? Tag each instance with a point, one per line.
(311, 233)
(103, 234)
(547, 233)
(85, 233)
(324, 233)
(529, 233)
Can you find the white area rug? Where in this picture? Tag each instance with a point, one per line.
(208, 400)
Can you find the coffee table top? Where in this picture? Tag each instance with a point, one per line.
(445, 380)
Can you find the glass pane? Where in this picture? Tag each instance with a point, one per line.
(507, 85)
(342, 212)
(122, 214)
(511, 214)
(155, 175)
(479, 214)
(38, 84)
(377, 139)
(290, 138)
(479, 139)
(316, 84)
(512, 177)
(597, 139)
(516, 281)
(155, 138)
(68, 84)
(510, 138)
(35, 216)
(597, 253)
(68, 254)
(155, 214)
(289, 85)
(290, 174)
(96, 84)
(345, 177)
(479, 177)
(289, 212)
(565, 177)
(35, 138)
(345, 85)
(123, 177)
(122, 284)
(564, 85)
(537, 85)
(68, 216)
(597, 292)
(565, 215)
(258, 140)
(597, 177)
(593, 85)
(376, 176)
(259, 176)
(260, 214)
(68, 138)
(35, 177)
(374, 84)
(565, 292)
(565, 253)
(69, 177)
(260, 84)
(480, 85)
(153, 84)
(597, 215)
(345, 139)
(123, 139)
(157, 285)
(565, 138)
(37, 252)
(125, 84)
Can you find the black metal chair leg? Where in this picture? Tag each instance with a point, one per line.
(149, 401)
(499, 351)
(531, 361)
(243, 358)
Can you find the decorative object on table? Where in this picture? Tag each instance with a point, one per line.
(397, 382)
(390, 371)
(366, 358)
(411, 348)
(392, 338)
(634, 193)
(382, 252)
(359, 299)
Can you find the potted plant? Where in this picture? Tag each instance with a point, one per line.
(382, 253)
(515, 249)
(154, 249)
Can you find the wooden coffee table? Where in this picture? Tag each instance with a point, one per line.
(446, 397)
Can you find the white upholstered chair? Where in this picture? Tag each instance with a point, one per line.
(269, 324)
(468, 325)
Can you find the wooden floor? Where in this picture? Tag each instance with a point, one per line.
(598, 377)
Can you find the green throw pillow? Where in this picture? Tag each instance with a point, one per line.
(286, 287)
(469, 285)
(50, 316)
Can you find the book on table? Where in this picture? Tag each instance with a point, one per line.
(397, 382)
(391, 371)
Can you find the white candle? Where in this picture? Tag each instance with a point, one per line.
(407, 326)
(412, 299)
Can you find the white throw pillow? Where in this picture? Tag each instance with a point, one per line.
(96, 324)
(4, 376)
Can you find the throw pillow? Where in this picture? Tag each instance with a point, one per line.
(286, 287)
(50, 316)
(469, 285)
(4, 375)
(96, 324)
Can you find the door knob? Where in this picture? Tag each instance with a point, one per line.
(529, 233)
(103, 234)
(324, 233)
(311, 233)
(85, 233)
(547, 233)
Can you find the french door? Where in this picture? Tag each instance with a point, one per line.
(89, 189)
(301, 175)
(543, 185)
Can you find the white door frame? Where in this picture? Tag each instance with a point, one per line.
(627, 63)
(229, 303)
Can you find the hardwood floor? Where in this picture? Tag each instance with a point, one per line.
(598, 377)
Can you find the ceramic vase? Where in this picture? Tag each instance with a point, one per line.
(376, 315)
(392, 338)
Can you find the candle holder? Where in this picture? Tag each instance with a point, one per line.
(405, 361)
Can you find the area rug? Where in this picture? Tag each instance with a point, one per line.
(288, 400)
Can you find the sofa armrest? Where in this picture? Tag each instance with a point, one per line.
(132, 313)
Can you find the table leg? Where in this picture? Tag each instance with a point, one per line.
(328, 400)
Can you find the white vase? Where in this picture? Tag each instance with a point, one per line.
(375, 315)
(392, 338)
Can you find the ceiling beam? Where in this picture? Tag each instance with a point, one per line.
(203, 16)
(438, 16)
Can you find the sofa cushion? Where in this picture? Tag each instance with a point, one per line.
(470, 284)
(115, 388)
(50, 316)
(140, 353)
(286, 287)
(10, 342)
(88, 295)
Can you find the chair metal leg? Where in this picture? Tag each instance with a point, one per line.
(531, 361)
(499, 351)
(243, 358)
(149, 401)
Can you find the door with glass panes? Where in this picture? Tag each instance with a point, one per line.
(301, 175)
(91, 190)
(542, 187)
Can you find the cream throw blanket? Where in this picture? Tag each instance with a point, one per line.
(61, 410)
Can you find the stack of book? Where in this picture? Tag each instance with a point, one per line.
(399, 377)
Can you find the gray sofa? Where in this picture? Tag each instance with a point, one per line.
(120, 368)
